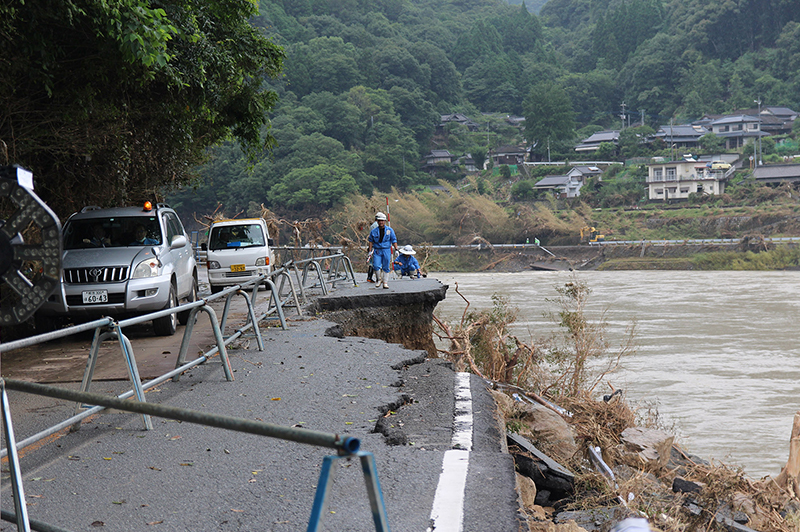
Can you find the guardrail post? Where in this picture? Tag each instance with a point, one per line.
(285, 276)
(20, 506)
(91, 363)
(275, 296)
(252, 316)
(320, 275)
(223, 353)
(370, 473)
(133, 371)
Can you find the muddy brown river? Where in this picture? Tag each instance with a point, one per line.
(717, 353)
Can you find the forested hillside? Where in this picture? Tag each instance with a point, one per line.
(365, 83)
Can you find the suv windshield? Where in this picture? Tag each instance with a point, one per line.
(112, 232)
(236, 236)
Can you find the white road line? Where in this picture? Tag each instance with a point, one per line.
(447, 514)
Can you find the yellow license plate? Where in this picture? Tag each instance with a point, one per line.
(237, 267)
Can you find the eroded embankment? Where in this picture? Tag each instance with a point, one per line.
(400, 317)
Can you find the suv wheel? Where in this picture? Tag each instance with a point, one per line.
(183, 317)
(167, 325)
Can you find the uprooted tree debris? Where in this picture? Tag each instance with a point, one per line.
(585, 462)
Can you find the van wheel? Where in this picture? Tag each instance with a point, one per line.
(167, 325)
(217, 289)
(183, 317)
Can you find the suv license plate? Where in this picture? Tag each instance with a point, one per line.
(237, 267)
(95, 296)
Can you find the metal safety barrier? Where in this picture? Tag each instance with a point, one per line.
(88, 404)
(338, 267)
(346, 447)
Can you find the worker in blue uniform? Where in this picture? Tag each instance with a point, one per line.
(406, 264)
(382, 243)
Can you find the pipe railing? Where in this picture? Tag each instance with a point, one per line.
(88, 404)
(345, 446)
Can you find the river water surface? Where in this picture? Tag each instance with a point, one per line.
(716, 352)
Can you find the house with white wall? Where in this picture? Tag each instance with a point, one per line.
(674, 180)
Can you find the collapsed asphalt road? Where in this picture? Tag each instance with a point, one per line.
(114, 475)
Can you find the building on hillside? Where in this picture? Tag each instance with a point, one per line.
(563, 186)
(737, 130)
(437, 160)
(675, 180)
(457, 118)
(774, 120)
(557, 184)
(582, 172)
(593, 143)
(508, 155)
(467, 162)
(777, 174)
(682, 136)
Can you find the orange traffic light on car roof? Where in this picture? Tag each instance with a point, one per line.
(148, 206)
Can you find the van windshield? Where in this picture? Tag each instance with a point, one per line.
(236, 236)
(112, 232)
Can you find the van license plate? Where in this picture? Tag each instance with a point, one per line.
(95, 296)
(237, 267)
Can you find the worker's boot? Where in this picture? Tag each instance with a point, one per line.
(385, 279)
(378, 278)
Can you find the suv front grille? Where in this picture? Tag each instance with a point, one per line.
(108, 274)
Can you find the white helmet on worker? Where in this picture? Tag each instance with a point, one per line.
(380, 216)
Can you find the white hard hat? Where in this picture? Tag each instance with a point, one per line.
(407, 250)
(380, 216)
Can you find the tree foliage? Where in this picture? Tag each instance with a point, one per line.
(107, 102)
(548, 115)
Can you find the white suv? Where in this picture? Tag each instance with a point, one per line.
(124, 262)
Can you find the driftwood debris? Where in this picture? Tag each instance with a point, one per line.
(788, 477)
(553, 481)
(646, 447)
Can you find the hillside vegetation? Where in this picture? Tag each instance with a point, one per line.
(364, 88)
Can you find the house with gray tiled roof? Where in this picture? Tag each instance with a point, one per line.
(737, 130)
(682, 135)
(437, 160)
(457, 118)
(776, 174)
(508, 155)
(593, 143)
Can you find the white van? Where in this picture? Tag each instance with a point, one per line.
(237, 251)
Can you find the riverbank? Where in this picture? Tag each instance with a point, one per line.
(748, 254)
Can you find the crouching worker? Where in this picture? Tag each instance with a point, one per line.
(382, 244)
(406, 264)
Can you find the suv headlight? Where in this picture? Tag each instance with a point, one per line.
(146, 268)
(212, 265)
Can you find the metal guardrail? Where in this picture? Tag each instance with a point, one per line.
(107, 328)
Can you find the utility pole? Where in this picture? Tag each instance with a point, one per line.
(622, 116)
(671, 145)
(759, 162)
(642, 111)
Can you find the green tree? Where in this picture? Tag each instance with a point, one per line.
(319, 185)
(606, 151)
(548, 116)
(711, 143)
(111, 101)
